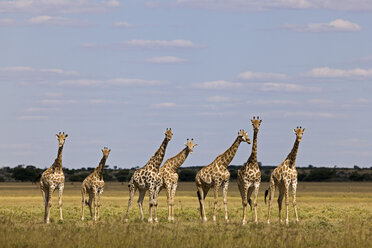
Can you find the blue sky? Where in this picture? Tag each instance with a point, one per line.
(118, 73)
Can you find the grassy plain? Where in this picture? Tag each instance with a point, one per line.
(331, 215)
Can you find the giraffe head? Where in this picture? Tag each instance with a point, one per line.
(256, 122)
(299, 131)
(243, 135)
(190, 145)
(106, 152)
(61, 138)
(168, 134)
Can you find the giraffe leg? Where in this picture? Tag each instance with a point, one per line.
(99, 202)
(132, 191)
(286, 202)
(51, 190)
(95, 204)
(169, 195)
(91, 197)
(60, 193)
(294, 189)
(140, 201)
(201, 196)
(46, 200)
(256, 188)
(216, 188)
(174, 188)
(280, 201)
(151, 203)
(82, 203)
(155, 200)
(249, 193)
(243, 189)
(271, 197)
(225, 188)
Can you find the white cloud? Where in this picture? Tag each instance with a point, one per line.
(304, 114)
(80, 82)
(21, 69)
(56, 21)
(146, 44)
(272, 102)
(57, 6)
(32, 117)
(245, 5)
(122, 25)
(284, 87)
(326, 72)
(261, 5)
(261, 75)
(165, 60)
(6, 22)
(321, 102)
(338, 25)
(163, 105)
(158, 44)
(99, 101)
(58, 101)
(136, 82)
(218, 99)
(217, 85)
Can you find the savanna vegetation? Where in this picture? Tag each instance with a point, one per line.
(23, 173)
(332, 214)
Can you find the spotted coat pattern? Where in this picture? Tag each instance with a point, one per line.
(148, 178)
(169, 175)
(52, 179)
(216, 175)
(249, 175)
(93, 186)
(284, 176)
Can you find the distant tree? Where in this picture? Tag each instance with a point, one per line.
(310, 166)
(78, 177)
(25, 174)
(123, 175)
(322, 174)
(187, 175)
(356, 167)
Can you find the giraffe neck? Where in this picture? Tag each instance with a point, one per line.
(293, 154)
(158, 157)
(252, 160)
(178, 160)
(229, 154)
(101, 166)
(58, 162)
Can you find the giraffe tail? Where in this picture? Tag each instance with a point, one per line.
(266, 193)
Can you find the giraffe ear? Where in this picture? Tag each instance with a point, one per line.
(109, 150)
(66, 135)
(195, 145)
(303, 130)
(294, 130)
(57, 136)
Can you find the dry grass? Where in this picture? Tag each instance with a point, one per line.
(331, 215)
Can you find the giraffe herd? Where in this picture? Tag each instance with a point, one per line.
(153, 177)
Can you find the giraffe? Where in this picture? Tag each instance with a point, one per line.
(93, 186)
(249, 175)
(216, 175)
(168, 173)
(282, 177)
(53, 178)
(147, 178)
